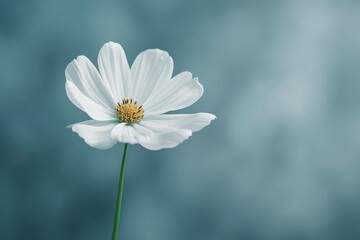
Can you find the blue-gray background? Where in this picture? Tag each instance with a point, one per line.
(281, 161)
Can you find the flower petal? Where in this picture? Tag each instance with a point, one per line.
(194, 122)
(93, 109)
(116, 133)
(162, 136)
(150, 70)
(96, 134)
(130, 133)
(86, 78)
(179, 92)
(114, 69)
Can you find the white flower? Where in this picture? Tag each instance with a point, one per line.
(128, 104)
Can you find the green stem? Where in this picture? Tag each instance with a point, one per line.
(119, 195)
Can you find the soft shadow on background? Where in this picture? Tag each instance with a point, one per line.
(280, 162)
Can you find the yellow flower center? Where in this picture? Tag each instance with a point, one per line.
(128, 111)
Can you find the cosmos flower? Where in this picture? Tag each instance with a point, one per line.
(128, 104)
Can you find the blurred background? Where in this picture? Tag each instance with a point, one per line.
(281, 161)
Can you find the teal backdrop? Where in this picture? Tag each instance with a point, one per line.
(281, 161)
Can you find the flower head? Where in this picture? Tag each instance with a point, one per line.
(128, 104)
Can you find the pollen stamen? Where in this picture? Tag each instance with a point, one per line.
(129, 111)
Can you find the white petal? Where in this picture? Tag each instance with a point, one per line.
(176, 93)
(116, 133)
(150, 70)
(114, 69)
(130, 133)
(163, 136)
(86, 78)
(96, 134)
(93, 109)
(194, 122)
